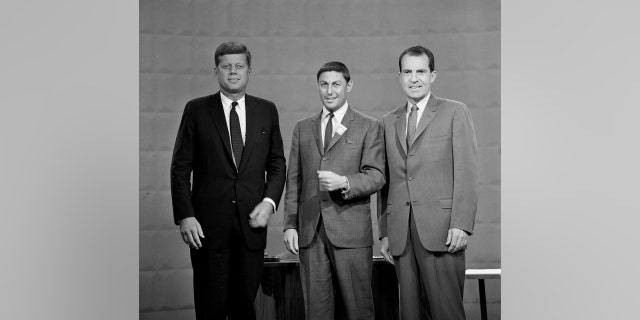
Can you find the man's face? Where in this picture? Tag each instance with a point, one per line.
(415, 77)
(333, 89)
(233, 73)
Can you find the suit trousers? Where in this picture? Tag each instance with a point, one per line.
(225, 282)
(431, 283)
(324, 268)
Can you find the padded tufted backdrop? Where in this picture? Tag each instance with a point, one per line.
(289, 40)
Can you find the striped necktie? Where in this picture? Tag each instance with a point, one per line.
(328, 132)
(411, 126)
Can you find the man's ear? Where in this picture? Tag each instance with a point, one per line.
(349, 85)
(433, 75)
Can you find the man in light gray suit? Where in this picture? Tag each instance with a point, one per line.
(427, 210)
(336, 163)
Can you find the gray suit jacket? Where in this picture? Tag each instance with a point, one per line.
(437, 176)
(357, 154)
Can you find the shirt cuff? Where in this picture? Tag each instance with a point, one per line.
(272, 203)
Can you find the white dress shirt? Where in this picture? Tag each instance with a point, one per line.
(241, 110)
(337, 119)
(422, 104)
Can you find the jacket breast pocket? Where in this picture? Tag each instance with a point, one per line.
(351, 143)
(446, 203)
(439, 139)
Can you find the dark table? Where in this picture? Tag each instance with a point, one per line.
(280, 294)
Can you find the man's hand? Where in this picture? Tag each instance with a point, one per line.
(331, 181)
(457, 240)
(384, 249)
(191, 232)
(260, 215)
(291, 240)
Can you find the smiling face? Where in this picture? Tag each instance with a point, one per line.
(415, 77)
(333, 89)
(233, 74)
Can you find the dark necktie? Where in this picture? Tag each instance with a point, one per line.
(236, 134)
(411, 126)
(328, 132)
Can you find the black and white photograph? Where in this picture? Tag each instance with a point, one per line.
(213, 206)
(319, 159)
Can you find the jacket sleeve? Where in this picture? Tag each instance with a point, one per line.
(276, 167)
(465, 168)
(181, 167)
(383, 194)
(294, 183)
(371, 176)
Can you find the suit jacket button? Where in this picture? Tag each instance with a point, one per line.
(408, 203)
(233, 201)
(324, 159)
(410, 178)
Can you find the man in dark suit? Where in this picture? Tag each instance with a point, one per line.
(336, 163)
(427, 210)
(231, 143)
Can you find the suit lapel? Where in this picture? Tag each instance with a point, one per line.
(251, 116)
(346, 122)
(217, 115)
(427, 115)
(315, 127)
(401, 128)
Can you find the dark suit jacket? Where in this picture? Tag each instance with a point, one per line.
(204, 148)
(437, 176)
(357, 154)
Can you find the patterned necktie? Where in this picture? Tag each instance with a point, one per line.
(236, 134)
(411, 126)
(328, 132)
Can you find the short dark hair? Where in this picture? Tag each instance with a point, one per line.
(417, 51)
(231, 47)
(334, 66)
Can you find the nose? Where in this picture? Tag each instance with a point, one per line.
(414, 77)
(329, 90)
(234, 70)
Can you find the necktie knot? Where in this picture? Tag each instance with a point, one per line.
(234, 104)
(414, 108)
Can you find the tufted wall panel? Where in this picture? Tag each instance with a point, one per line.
(289, 41)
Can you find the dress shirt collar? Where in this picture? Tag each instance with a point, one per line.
(226, 102)
(338, 114)
(422, 104)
